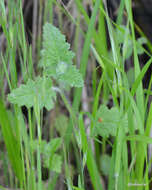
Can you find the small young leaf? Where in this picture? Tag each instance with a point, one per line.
(129, 49)
(47, 148)
(51, 147)
(35, 143)
(52, 160)
(105, 164)
(123, 32)
(40, 89)
(55, 163)
(140, 42)
(61, 124)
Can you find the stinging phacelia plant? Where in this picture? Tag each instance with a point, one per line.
(56, 61)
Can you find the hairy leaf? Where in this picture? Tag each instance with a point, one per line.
(52, 146)
(105, 164)
(107, 121)
(71, 77)
(50, 158)
(56, 58)
(123, 32)
(39, 90)
(55, 163)
(61, 124)
(55, 48)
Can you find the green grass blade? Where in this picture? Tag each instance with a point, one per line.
(91, 164)
(83, 66)
(85, 54)
(139, 92)
(11, 142)
(149, 121)
(140, 77)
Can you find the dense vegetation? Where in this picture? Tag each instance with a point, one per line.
(75, 97)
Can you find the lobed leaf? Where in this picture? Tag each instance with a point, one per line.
(123, 32)
(50, 158)
(55, 163)
(107, 121)
(39, 90)
(61, 124)
(55, 49)
(71, 77)
(56, 58)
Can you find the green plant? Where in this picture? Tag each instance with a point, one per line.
(107, 121)
(113, 147)
(56, 61)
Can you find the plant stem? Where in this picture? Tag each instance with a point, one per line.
(37, 113)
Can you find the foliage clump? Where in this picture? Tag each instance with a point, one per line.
(56, 61)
